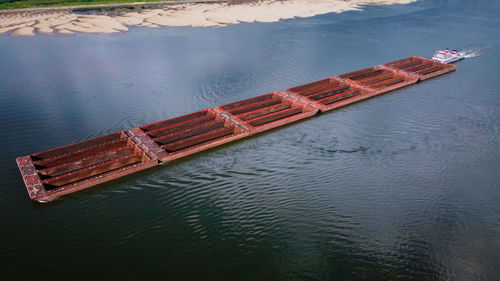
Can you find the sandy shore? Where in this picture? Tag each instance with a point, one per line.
(51, 22)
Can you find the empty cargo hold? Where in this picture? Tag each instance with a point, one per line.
(191, 133)
(330, 93)
(268, 111)
(379, 79)
(67, 169)
(420, 67)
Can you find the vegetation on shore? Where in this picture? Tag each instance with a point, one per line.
(17, 4)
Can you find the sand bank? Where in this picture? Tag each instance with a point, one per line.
(195, 15)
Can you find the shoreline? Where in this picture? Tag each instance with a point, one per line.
(204, 13)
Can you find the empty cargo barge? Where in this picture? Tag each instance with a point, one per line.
(56, 172)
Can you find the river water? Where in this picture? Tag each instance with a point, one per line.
(404, 186)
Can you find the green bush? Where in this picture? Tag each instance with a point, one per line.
(16, 4)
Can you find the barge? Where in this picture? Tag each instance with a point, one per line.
(60, 171)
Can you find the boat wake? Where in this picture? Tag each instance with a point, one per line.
(473, 51)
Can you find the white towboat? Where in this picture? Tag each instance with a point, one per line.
(447, 56)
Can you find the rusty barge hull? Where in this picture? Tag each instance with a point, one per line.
(64, 170)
